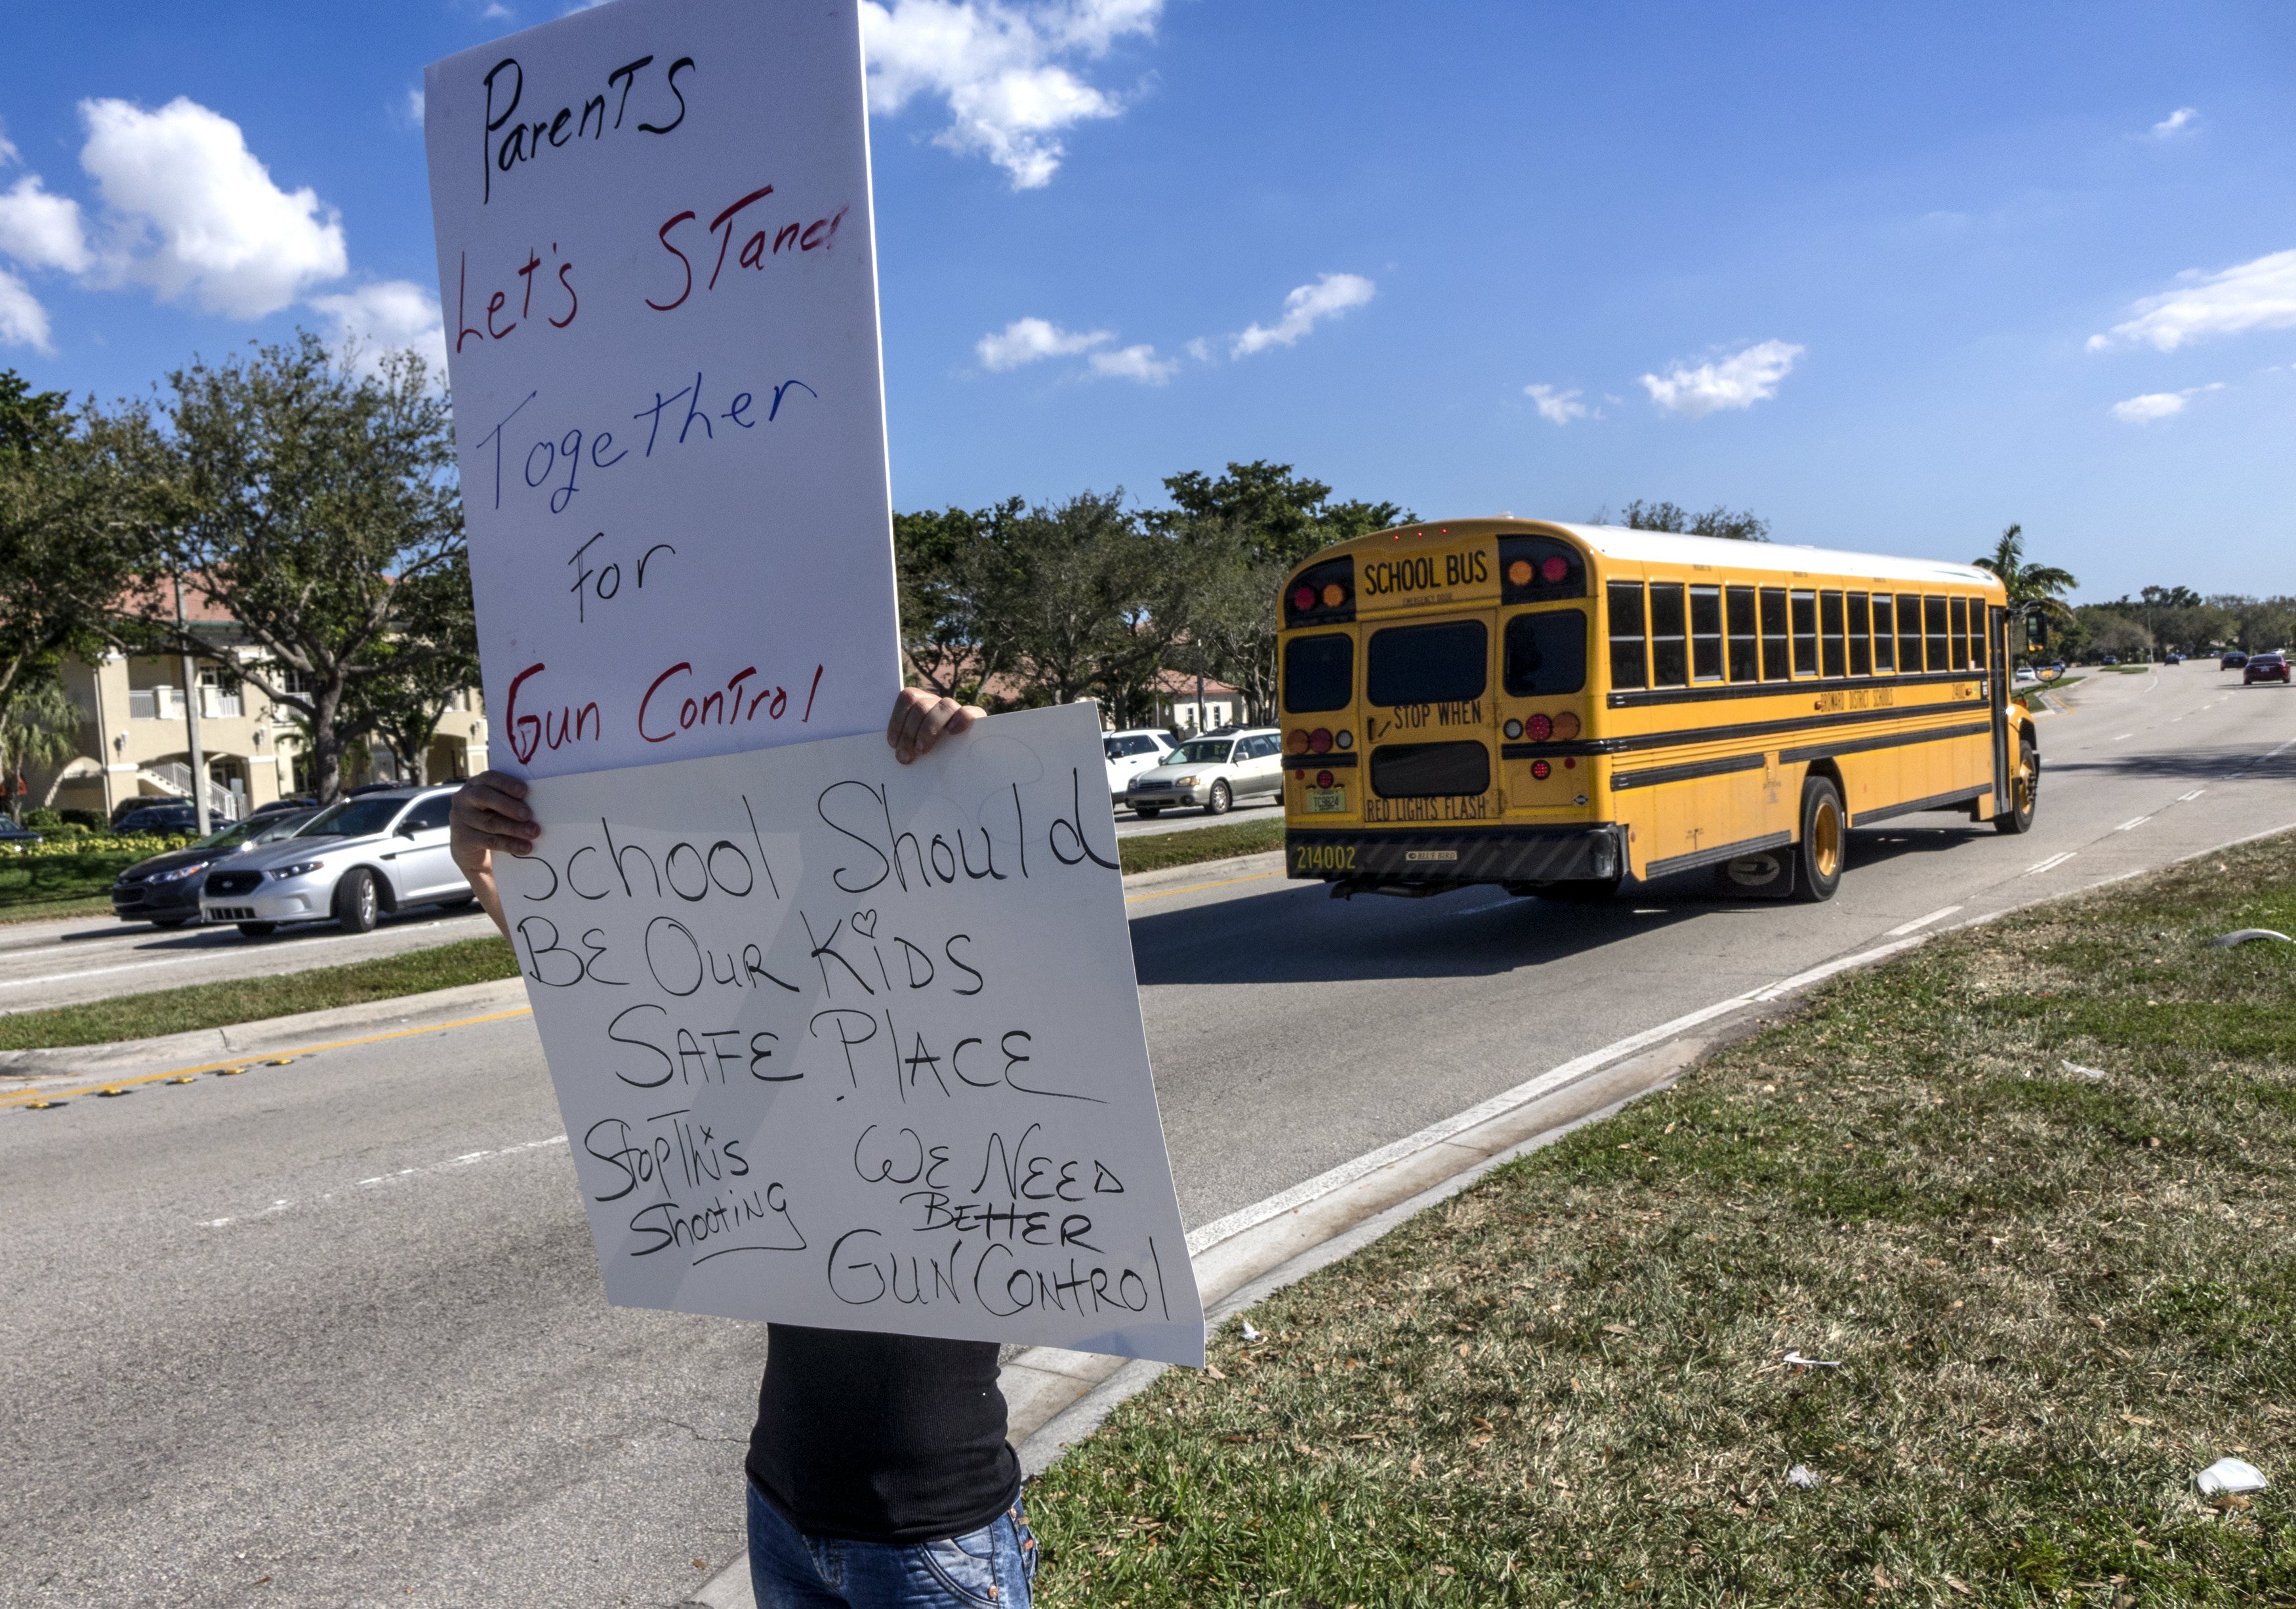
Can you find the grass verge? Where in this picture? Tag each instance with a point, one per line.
(1154, 851)
(251, 1000)
(68, 876)
(2053, 1298)
(55, 910)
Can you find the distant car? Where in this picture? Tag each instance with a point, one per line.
(353, 861)
(23, 837)
(2265, 667)
(2110, 659)
(2172, 658)
(1131, 752)
(2233, 661)
(2025, 673)
(159, 818)
(165, 889)
(1213, 771)
(281, 806)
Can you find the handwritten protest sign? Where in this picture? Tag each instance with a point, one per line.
(846, 1042)
(657, 270)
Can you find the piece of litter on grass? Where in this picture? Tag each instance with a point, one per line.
(2230, 1476)
(1794, 1359)
(2086, 1072)
(2245, 934)
(1801, 1475)
(1248, 1333)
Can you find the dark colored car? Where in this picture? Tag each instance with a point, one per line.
(2265, 667)
(2172, 658)
(159, 818)
(279, 806)
(24, 837)
(2233, 661)
(165, 889)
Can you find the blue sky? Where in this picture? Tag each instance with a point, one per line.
(1892, 277)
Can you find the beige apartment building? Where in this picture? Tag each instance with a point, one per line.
(134, 736)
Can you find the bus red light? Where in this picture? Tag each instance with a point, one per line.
(1537, 728)
(1319, 741)
(1551, 570)
(1323, 779)
(1303, 599)
(1541, 769)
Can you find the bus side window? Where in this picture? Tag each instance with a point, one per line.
(1977, 634)
(1885, 633)
(1745, 646)
(1774, 635)
(1706, 634)
(1805, 633)
(1861, 633)
(1628, 659)
(1909, 633)
(1829, 613)
(1669, 664)
(1933, 627)
(1960, 607)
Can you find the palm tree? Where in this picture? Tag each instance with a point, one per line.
(2035, 586)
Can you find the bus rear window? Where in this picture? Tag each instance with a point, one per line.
(1319, 673)
(1430, 770)
(1628, 664)
(1544, 654)
(1444, 663)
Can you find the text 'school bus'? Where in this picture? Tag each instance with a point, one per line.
(1552, 707)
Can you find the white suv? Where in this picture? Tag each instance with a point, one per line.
(1214, 771)
(1131, 752)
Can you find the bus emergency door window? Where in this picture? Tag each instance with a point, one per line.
(1745, 644)
(1629, 661)
(1909, 633)
(1829, 613)
(1933, 622)
(1805, 633)
(1959, 633)
(1445, 663)
(1861, 635)
(1775, 667)
(1669, 663)
(1885, 633)
(1706, 634)
(1545, 654)
(1319, 673)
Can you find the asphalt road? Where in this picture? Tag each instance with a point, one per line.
(332, 1334)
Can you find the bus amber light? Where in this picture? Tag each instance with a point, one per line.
(1539, 728)
(1334, 595)
(1319, 741)
(1519, 573)
(1297, 740)
(1566, 726)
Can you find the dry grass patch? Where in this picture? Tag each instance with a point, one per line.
(2053, 1298)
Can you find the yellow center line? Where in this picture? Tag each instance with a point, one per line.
(301, 1050)
(1198, 887)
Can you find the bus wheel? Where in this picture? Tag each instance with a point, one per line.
(1825, 844)
(2024, 789)
(1764, 875)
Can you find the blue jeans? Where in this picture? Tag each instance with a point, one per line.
(990, 1568)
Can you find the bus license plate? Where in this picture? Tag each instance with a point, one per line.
(1326, 801)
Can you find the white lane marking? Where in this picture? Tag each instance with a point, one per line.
(2124, 737)
(465, 1160)
(2188, 797)
(1918, 923)
(2132, 822)
(2053, 862)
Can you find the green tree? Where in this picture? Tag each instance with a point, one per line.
(944, 561)
(320, 499)
(39, 727)
(1070, 591)
(2039, 586)
(430, 654)
(1742, 525)
(1269, 512)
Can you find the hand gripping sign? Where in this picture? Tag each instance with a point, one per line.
(658, 275)
(848, 1043)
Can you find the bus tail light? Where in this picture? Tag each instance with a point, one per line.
(1303, 598)
(1323, 779)
(1297, 742)
(1566, 726)
(1538, 728)
(1540, 769)
(1319, 741)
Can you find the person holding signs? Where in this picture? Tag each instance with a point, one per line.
(879, 1474)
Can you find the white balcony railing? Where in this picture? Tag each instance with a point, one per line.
(167, 704)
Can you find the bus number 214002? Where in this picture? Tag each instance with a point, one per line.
(1325, 858)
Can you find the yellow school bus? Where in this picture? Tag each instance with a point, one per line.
(1554, 707)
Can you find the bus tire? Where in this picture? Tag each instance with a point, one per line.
(2024, 790)
(1217, 803)
(1825, 844)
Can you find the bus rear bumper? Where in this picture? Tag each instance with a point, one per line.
(1438, 859)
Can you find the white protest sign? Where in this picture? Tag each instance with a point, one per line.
(657, 272)
(852, 1044)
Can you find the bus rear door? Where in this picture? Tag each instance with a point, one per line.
(1429, 732)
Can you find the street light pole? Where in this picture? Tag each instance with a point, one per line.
(192, 721)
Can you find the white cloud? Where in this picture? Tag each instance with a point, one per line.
(1138, 362)
(1003, 70)
(1029, 339)
(195, 214)
(2175, 123)
(1737, 381)
(23, 322)
(8, 151)
(2260, 295)
(414, 106)
(1303, 308)
(2160, 405)
(1199, 348)
(385, 317)
(1556, 408)
(42, 231)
